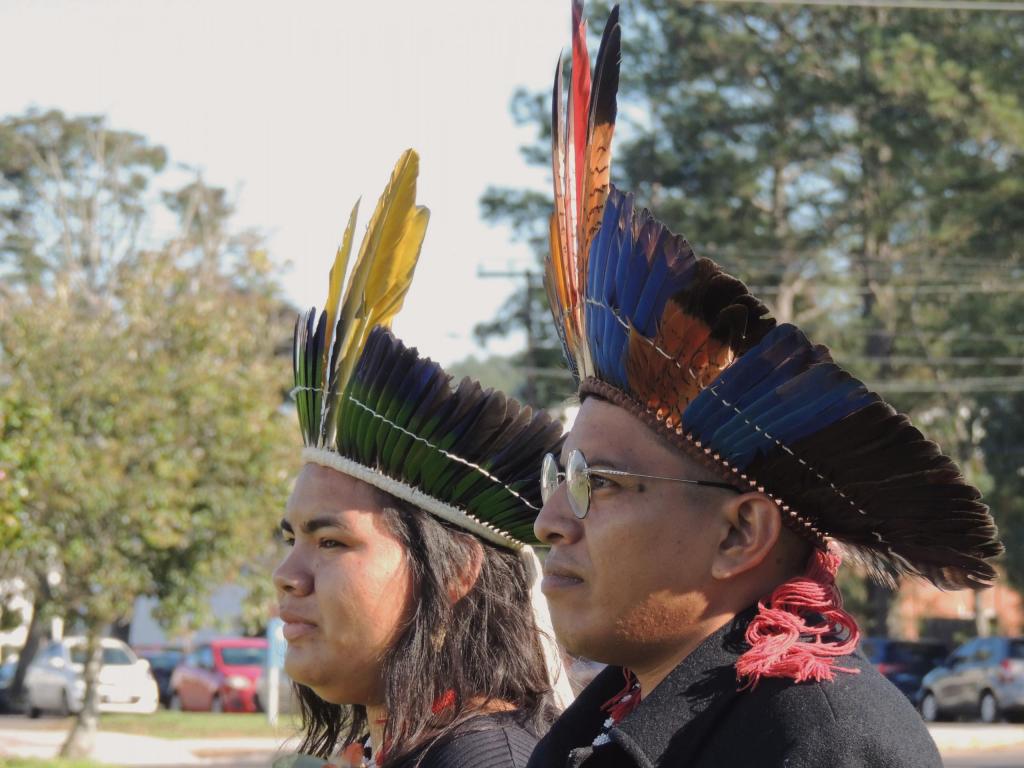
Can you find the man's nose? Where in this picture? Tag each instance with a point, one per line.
(556, 524)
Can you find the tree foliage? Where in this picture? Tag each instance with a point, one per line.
(142, 377)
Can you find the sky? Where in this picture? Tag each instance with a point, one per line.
(299, 108)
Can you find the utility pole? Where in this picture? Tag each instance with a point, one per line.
(530, 277)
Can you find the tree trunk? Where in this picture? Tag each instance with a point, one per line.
(879, 609)
(82, 738)
(40, 604)
(122, 629)
(981, 623)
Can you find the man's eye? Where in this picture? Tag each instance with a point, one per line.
(330, 544)
(289, 541)
(597, 482)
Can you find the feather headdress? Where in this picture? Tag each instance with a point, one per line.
(373, 409)
(648, 325)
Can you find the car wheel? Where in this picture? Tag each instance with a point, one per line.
(65, 706)
(216, 705)
(930, 708)
(174, 703)
(31, 710)
(988, 708)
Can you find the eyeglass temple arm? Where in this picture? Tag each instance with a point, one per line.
(623, 473)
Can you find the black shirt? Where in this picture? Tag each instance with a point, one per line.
(697, 717)
(490, 741)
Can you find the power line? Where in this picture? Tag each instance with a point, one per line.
(918, 360)
(926, 5)
(961, 386)
(938, 290)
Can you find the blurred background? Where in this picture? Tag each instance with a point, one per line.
(174, 181)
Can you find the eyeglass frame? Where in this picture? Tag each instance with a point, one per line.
(548, 490)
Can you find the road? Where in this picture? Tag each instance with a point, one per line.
(963, 745)
(1009, 757)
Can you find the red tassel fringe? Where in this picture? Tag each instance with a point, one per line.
(783, 642)
(625, 701)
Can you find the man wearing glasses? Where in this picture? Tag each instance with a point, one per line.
(719, 467)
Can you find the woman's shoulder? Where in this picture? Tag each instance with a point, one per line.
(488, 741)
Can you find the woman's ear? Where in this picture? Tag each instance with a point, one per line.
(466, 577)
(753, 525)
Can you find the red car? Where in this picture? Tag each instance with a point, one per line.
(219, 676)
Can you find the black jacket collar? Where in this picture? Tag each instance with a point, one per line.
(670, 725)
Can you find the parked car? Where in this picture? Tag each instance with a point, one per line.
(54, 679)
(287, 700)
(983, 678)
(162, 661)
(219, 676)
(904, 662)
(7, 669)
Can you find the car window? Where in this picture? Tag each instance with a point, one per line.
(1017, 649)
(204, 657)
(52, 651)
(984, 651)
(111, 655)
(868, 647)
(912, 654)
(243, 657)
(164, 659)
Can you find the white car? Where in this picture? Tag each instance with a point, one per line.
(54, 680)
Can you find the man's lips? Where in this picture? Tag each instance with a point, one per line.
(558, 576)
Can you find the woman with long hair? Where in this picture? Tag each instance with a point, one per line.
(413, 624)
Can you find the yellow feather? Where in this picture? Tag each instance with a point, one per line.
(337, 277)
(387, 258)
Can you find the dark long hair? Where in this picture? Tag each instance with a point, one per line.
(485, 648)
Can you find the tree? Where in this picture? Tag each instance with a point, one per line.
(163, 453)
(859, 168)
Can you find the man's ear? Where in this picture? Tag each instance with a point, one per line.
(466, 578)
(753, 524)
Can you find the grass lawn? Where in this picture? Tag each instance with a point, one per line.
(53, 762)
(199, 725)
(181, 725)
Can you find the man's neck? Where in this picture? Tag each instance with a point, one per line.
(653, 669)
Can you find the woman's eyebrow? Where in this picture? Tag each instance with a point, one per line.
(314, 524)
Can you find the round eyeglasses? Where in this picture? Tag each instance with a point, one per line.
(577, 480)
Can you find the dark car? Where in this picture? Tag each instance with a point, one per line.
(904, 662)
(162, 661)
(983, 678)
(7, 668)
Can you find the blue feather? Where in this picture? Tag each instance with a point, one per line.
(757, 372)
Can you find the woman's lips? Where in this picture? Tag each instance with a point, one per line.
(296, 626)
(296, 630)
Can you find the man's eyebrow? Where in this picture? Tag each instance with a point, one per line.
(598, 463)
(602, 463)
(286, 526)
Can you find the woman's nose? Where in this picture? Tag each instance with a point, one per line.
(291, 577)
